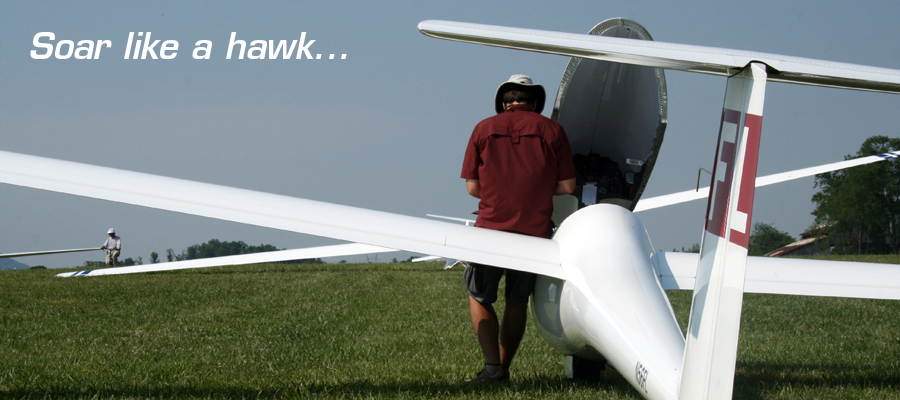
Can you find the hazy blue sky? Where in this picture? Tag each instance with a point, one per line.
(386, 127)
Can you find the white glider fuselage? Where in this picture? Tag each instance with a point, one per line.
(611, 301)
(611, 305)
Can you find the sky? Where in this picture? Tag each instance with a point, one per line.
(385, 127)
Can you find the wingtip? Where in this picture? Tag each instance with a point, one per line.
(76, 273)
(424, 26)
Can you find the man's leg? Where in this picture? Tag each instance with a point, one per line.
(515, 319)
(487, 328)
(481, 283)
(519, 286)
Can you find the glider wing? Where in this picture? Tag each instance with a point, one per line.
(701, 59)
(774, 275)
(393, 231)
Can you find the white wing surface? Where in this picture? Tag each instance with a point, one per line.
(394, 231)
(426, 258)
(702, 193)
(707, 60)
(255, 258)
(38, 253)
(774, 275)
(468, 222)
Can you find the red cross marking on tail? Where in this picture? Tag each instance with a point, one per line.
(740, 225)
(723, 176)
(723, 172)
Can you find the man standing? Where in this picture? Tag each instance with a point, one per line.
(515, 162)
(113, 245)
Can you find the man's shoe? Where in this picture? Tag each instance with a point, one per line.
(484, 377)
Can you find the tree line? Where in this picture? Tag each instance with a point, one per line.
(763, 239)
(213, 248)
(859, 208)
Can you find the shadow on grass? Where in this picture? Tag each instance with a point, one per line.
(537, 387)
(752, 381)
(755, 380)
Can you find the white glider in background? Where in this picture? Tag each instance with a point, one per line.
(39, 253)
(600, 292)
(702, 193)
(255, 258)
(242, 259)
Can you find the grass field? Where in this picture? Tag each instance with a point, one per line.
(373, 331)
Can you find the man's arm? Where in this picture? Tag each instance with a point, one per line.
(562, 187)
(474, 187)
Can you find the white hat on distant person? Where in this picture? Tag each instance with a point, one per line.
(111, 230)
(523, 83)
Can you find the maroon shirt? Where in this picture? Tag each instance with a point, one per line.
(518, 156)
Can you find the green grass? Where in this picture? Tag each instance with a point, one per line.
(372, 331)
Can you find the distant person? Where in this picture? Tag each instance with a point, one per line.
(112, 245)
(515, 162)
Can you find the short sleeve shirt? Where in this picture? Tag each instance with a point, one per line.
(113, 243)
(518, 156)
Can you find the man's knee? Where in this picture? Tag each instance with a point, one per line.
(517, 310)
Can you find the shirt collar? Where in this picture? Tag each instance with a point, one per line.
(519, 107)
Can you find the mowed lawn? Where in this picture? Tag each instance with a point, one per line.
(373, 331)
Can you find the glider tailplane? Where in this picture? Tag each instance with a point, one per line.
(712, 335)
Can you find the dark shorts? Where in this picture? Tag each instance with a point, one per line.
(482, 282)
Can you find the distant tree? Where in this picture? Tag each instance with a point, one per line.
(394, 260)
(765, 238)
(695, 248)
(218, 248)
(859, 207)
(303, 261)
(170, 255)
(154, 258)
(262, 248)
(128, 262)
(38, 267)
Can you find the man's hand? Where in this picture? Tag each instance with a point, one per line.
(563, 187)
(474, 187)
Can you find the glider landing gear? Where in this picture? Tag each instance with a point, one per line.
(584, 369)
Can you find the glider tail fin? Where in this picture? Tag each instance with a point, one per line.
(712, 336)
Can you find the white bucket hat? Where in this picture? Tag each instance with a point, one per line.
(524, 83)
(111, 230)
